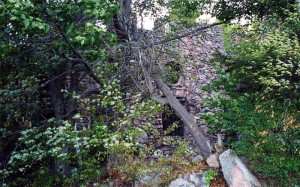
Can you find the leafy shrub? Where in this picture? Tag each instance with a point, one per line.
(269, 65)
(87, 152)
(171, 72)
(260, 108)
(162, 169)
(171, 75)
(210, 175)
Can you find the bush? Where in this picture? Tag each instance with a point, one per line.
(162, 169)
(260, 108)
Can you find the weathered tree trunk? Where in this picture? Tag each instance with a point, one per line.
(63, 108)
(123, 23)
(57, 101)
(186, 117)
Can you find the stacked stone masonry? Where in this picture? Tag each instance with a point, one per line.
(196, 52)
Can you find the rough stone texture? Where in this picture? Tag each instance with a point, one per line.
(143, 137)
(181, 182)
(235, 172)
(198, 158)
(148, 179)
(197, 179)
(197, 50)
(189, 180)
(213, 161)
(195, 53)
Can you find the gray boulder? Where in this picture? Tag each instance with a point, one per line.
(235, 172)
(198, 158)
(148, 177)
(180, 182)
(189, 180)
(197, 179)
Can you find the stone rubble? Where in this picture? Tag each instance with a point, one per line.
(198, 158)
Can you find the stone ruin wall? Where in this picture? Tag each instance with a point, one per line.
(196, 51)
(199, 72)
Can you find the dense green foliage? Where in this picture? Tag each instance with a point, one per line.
(185, 11)
(58, 127)
(260, 108)
(227, 10)
(39, 87)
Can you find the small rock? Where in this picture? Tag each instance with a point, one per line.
(206, 109)
(181, 183)
(198, 158)
(213, 161)
(189, 180)
(196, 117)
(143, 137)
(197, 179)
(147, 178)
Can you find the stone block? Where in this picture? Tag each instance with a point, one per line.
(235, 172)
(213, 161)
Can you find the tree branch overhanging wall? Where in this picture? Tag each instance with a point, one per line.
(143, 55)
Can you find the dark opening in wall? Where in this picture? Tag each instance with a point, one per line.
(169, 117)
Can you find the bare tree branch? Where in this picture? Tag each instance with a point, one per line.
(35, 88)
(88, 68)
(185, 34)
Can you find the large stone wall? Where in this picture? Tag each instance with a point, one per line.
(195, 54)
(198, 72)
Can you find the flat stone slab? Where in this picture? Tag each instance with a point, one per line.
(235, 172)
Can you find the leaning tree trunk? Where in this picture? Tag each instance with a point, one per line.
(186, 117)
(148, 69)
(125, 29)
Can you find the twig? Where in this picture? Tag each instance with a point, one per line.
(185, 34)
